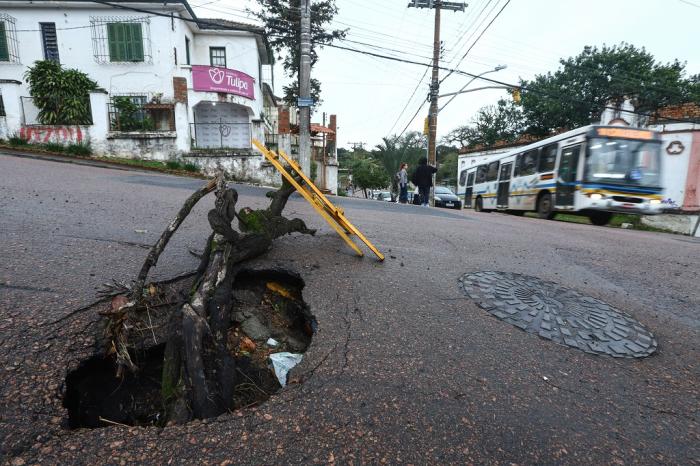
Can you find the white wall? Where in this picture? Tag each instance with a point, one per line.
(167, 39)
(241, 54)
(675, 168)
(76, 48)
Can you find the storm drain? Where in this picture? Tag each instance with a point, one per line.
(559, 314)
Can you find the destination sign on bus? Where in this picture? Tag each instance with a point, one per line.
(625, 133)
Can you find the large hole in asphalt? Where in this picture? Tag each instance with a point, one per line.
(268, 316)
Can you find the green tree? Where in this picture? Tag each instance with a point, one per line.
(579, 91)
(447, 166)
(395, 150)
(61, 95)
(368, 174)
(282, 21)
(502, 122)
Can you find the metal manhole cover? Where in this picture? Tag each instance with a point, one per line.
(559, 314)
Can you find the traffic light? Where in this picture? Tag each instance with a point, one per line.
(516, 95)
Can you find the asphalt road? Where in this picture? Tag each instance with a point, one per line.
(404, 368)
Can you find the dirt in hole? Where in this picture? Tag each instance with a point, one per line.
(267, 305)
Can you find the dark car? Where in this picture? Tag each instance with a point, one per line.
(444, 197)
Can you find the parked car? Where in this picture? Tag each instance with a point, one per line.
(383, 196)
(444, 197)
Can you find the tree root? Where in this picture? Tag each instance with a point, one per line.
(198, 371)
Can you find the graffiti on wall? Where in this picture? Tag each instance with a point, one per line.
(56, 134)
(670, 203)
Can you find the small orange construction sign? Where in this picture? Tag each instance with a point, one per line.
(335, 216)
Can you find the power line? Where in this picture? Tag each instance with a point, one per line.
(495, 81)
(477, 39)
(475, 19)
(690, 3)
(412, 118)
(420, 81)
(387, 57)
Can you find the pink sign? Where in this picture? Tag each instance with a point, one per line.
(214, 79)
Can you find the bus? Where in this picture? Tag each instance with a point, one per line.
(467, 172)
(592, 171)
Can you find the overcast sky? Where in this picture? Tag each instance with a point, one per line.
(529, 36)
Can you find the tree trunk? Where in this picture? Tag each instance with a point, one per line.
(199, 372)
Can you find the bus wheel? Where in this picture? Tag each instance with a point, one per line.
(600, 218)
(479, 207)
(544, 206)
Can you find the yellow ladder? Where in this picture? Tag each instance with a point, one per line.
(335, 216)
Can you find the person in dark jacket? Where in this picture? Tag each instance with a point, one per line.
(423, 178)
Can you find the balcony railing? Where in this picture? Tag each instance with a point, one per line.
(221, 135)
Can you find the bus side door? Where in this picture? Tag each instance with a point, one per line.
(504, 185)
(567, 175)
(470, 190)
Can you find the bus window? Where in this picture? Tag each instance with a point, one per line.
(462, 177)
(548, 158)
(528, 163)
(516, 170)
(481, 174)
(492, 172)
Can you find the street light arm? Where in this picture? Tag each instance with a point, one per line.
(471, 90)
(454, 94)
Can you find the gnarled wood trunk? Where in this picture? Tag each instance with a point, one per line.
(198, 370)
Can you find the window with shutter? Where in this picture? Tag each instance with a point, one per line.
(4, 48)
(50, 41)
(125, 41)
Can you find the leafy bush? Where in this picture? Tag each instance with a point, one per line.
(314, 170)
(61, 95)
(17, 141)
(173, 165)
(190, 167)
(53, 147)
(130, 115)
(79, 149)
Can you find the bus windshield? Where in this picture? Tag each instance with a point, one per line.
(623, 161)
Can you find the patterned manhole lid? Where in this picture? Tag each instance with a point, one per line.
(559, 314)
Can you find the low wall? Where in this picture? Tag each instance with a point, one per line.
(56, 134)
(684, 224)
(160, 146)
(240, 167)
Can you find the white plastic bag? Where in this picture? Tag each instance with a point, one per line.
(282, 363)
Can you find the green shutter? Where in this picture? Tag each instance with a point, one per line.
(125, 41)
(136, 42)
(112, 33)
(4, 49)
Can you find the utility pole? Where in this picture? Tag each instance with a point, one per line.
(304, 103)
(437, 5)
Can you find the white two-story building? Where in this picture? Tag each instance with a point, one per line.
(197, 84)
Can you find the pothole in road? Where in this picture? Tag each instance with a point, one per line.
(559, 314)
(270, 321)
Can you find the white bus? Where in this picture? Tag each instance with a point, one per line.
(593, 171)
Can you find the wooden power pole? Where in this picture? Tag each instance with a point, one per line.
(437, 5)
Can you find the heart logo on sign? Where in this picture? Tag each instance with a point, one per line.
(216, 75)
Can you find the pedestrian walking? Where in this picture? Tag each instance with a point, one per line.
(403, 183)
(423, 178)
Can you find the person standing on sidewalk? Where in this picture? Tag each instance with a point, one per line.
(423, 178)
(403, 183)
